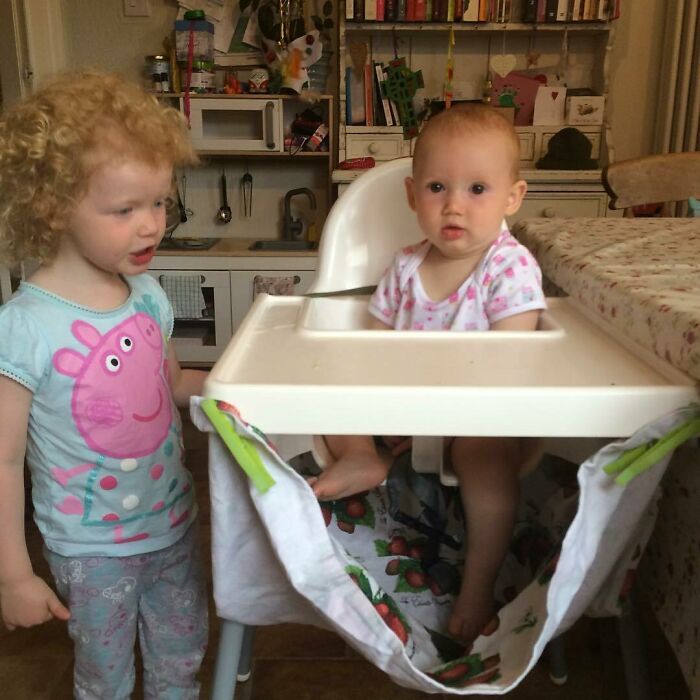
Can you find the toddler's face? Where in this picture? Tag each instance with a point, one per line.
(461, 189)
(121, 220)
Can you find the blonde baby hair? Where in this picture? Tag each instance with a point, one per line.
(54, 140)
(466, 119)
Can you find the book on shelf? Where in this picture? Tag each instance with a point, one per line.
(359, 10)
(370, 10)
(349, 9)
(530, 11)
(369, 95)
(401, 10)
(385, 114)
(420, 10)
(381, 10)
(354, 97)
(470, 11)
(410, 10)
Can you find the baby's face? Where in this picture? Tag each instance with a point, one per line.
(461, 189)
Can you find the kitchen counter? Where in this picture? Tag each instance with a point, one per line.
(238, 247)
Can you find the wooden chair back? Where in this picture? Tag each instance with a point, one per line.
(673, 177)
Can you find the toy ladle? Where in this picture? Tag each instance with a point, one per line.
(224, 215)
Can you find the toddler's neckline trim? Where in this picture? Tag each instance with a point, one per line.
(57, 299)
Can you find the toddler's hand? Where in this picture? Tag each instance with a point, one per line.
(29, 602)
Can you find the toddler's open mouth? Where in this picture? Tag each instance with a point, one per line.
(143, 257)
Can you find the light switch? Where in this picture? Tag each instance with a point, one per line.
(136, 8)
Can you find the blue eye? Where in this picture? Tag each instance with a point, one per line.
(435, 187)
(477, 189)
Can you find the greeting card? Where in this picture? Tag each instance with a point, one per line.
(517, 91)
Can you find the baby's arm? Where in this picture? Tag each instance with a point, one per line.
(25, 599)
(184, 382)
(526, 321)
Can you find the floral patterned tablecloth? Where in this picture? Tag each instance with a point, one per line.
(641, 275)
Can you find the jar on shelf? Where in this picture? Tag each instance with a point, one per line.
(202, 78)
(158, 67)
(194, 36)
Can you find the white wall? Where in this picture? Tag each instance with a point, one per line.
(99, 36)
(635, 64)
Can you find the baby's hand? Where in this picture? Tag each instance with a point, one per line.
(28, 602)
(397, 444)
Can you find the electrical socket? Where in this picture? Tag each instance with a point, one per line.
(137, 8)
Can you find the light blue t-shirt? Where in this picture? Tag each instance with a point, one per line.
(104, 442)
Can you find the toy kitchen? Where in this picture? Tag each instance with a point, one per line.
(247, 219)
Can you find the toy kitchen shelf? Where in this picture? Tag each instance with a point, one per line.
(235, 134)
(228, 275)
(585, 47)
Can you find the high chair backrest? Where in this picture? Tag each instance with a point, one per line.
(364, 229)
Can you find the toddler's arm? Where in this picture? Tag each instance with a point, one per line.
(25, 599)
(184, 382)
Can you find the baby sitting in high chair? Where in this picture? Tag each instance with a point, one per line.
(468, 274)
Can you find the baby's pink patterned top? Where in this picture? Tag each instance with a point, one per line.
(507, 281)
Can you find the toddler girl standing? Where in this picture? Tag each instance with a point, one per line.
(89, 384)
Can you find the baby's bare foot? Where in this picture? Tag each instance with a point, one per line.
(472, 615)
(349, 475)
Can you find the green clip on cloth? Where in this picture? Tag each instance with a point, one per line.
(640, 458)
(241, 448)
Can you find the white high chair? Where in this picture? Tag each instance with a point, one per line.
(301, 366)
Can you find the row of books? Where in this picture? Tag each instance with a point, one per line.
(365, 100)
(570, 10)
(481, 10)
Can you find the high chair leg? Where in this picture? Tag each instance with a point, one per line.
(235, 652)
(556, 655)
(246, 660)
(631, 633)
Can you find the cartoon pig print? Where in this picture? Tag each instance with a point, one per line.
(113, 411)
(121, 407)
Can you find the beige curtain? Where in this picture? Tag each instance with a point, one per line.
(678, 116)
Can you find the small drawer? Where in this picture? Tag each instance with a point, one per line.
(379, 146)
(551, 206)
(592, 136)
(527, 145)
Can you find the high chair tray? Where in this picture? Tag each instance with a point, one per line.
(305, 366)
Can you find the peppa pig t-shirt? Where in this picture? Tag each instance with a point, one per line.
(104, 443)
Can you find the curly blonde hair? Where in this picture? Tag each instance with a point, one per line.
(52, 142)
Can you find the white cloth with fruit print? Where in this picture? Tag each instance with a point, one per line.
(351, 567)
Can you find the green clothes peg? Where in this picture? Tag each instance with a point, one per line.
(400, 86)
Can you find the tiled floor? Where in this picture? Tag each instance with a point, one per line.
(292, 662)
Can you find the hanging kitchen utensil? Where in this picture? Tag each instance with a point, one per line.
(224, 215)
(247, 190)
(180, 206)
